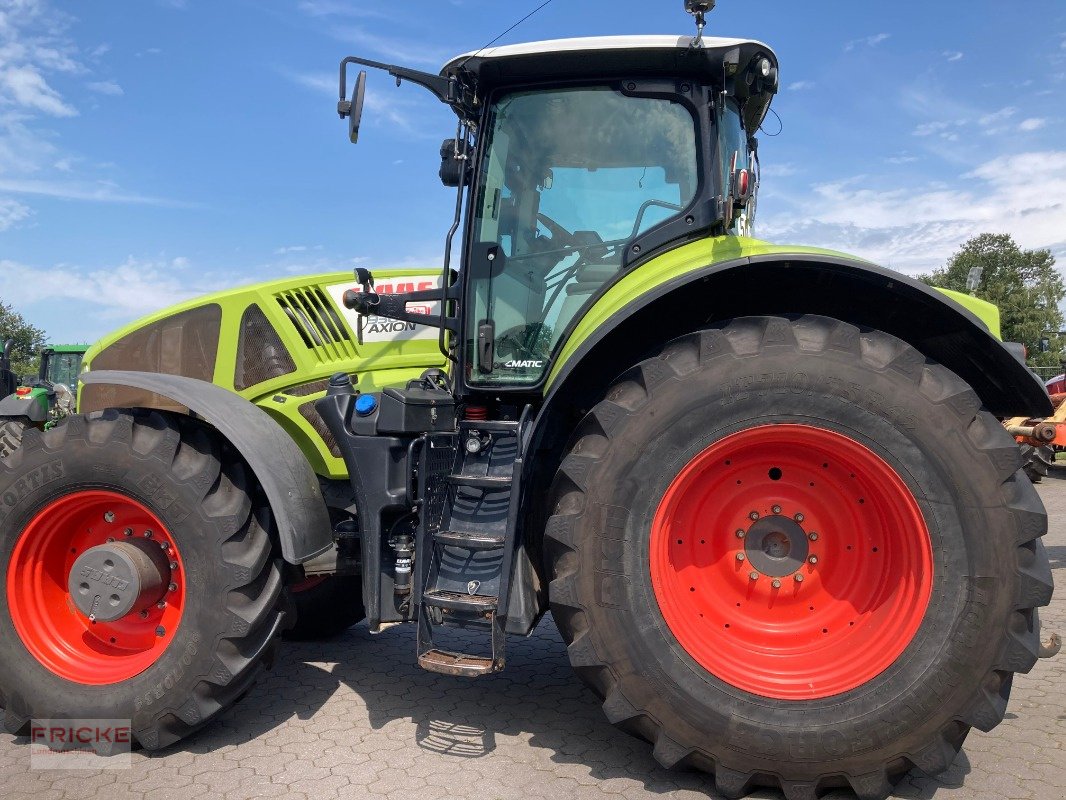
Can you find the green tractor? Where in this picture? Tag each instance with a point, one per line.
(762, 489)
(41, 400)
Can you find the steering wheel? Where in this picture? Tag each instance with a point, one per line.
(560, 235)
(521, 341)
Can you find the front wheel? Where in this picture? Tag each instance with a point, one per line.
(136, 576)
(797, 554)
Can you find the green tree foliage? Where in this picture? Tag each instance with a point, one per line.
(29, 340)
(1024, 284)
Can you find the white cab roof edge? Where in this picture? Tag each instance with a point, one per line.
(598, 43)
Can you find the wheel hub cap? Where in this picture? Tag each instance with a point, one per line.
(110, 580)
(776, 546)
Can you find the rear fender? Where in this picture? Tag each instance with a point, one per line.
(33, 406)
(291, 486)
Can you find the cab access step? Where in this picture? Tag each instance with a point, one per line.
(467, 540)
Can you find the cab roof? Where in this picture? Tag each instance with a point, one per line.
(594, 54)
(714, 60)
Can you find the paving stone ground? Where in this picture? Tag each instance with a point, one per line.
(355, 718)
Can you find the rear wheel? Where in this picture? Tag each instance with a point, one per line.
(137, 577)
(11, 431)
(797, 555)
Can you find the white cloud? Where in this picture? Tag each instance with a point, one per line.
(868, 41)
(12, 212)
(296, 248)
(106, 87)
(133, 288)
(336, 8)
(799, 86)
(97, 192)
(26, 87)
(997, 116)
(917, 228)
(953, 55)
(399, 50)
(780, 170)
(902, 158)
(1032, 124)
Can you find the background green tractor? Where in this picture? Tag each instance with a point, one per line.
(43, 399)
(762, 489)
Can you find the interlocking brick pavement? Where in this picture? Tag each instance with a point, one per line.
(355, 718)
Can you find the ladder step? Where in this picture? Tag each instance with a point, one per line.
(456, 664)
(480, 482)
(492, 427)
(454, 601)
(471, 541)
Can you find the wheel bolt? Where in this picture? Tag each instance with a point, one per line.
(173, 564)
(812, 536)
(753, 575)
(740, 534)
(172, 588)
(813, 559)
(128, 532)
(165, 545)
(160, 604)
(799, 578)
(740, 556)
(110, 539)
(160, 631)
(144, 614)
(147, 534)
(754, 515)
(798, 518)
(776, 509)
(776, 583)
(109, 516)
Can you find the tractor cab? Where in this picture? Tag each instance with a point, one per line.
(583, 159)
(61, 364)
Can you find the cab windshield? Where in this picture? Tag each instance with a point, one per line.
(568, 177)
(63, 368)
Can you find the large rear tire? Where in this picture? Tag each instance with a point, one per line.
(11, 431)
(169, 502)
(799, 555)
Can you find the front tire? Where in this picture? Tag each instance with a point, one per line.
(778, 440)
(86, 500)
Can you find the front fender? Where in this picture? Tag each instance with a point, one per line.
(291, 486)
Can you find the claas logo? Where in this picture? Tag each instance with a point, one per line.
(399, 287)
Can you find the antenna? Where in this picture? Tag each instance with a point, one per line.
(699, 9)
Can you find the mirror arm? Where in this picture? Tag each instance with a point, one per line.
(445, 89)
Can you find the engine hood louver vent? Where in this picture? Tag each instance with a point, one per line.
(318, 323)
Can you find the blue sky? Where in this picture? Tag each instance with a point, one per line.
(152, 150)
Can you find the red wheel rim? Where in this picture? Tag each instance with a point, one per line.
(52, 628)
(791, 562)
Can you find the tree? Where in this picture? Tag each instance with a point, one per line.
(29, 340)
(1024, 284)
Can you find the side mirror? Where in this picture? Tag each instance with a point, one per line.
(353, 109)
(28, 380)
(453, 171)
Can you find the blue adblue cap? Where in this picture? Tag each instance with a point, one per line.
(365, 405)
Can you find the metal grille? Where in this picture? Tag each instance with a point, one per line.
(181, 344)
(316, 320)
(261, 356)
(307, 410)
(438, 456)
(308, 388)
